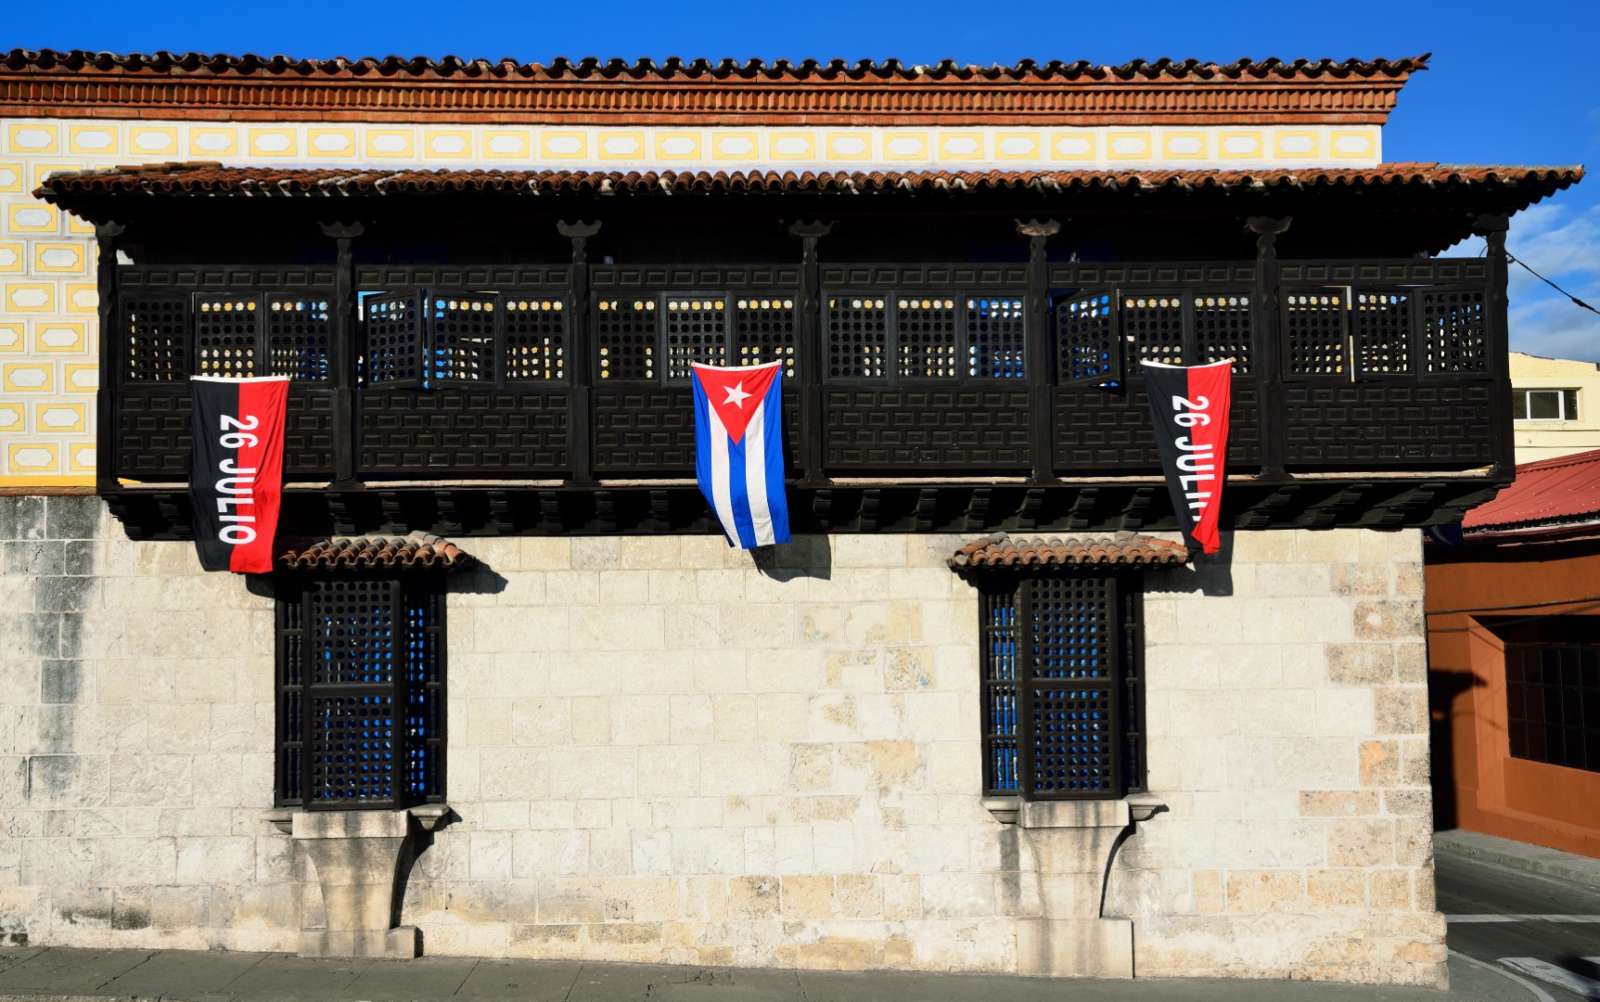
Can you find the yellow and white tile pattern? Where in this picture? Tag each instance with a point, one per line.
(48, 335)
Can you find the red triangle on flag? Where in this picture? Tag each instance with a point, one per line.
(735, 393)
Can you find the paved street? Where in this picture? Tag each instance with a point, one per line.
(1530, 938)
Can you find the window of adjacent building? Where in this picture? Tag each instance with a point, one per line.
(1544, 405)
(1062, 700)
(361, 674)
(1553, 690)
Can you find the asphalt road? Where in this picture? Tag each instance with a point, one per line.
(1519, 937)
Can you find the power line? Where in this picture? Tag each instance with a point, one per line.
(1552, 285)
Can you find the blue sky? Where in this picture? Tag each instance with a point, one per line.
(1511, 83)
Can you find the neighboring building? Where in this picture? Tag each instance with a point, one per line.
(1514, 661)
(587, 728)
(1555, 406)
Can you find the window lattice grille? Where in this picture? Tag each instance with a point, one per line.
(1452, 325)
(1154, 325)
(158, 340)
(424, 724)
(999, 656)
(291, 696)
(1553, 690)
(226, 331)
(394, 338)
(926, 334)
(697, 331)
(536, 339)
(298, 330)
(1382, 332)
(352, 748)
(1222, 329)
(995, 337)
(625, 333)
(353, 633)
(858, 336)
(1085, 338)
(1315, 325)
(764, 331)
(461, 347)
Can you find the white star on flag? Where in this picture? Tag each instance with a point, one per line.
(737, 395)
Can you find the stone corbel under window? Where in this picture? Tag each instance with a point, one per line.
(1073, 843)
(359, 857)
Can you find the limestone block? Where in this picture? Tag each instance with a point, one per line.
(1089, 948)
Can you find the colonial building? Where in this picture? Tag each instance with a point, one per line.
(509, 692)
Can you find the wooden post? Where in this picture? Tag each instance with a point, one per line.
(111, 336)
(1038, 359)
(1264, 300)
(811, 352)
(580, 355)
(1497, 346)
(343, 350)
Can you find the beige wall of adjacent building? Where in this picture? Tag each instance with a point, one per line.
(660, 751)
(1537, 440)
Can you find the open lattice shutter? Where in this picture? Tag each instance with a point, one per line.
(462, 330)
(394, 340)
(1088, 350)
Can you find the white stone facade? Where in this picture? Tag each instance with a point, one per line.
(661, 751)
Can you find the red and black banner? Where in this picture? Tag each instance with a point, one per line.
(1190, 406)
(236, 480)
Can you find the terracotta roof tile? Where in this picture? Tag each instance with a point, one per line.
(200, 178)
(645, 70)
(1548, 493)
(1125, 549)
(418, 551)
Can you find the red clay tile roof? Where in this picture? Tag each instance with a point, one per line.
(377, 553)
(1125, 549)
(591, 67)
(1548, 493)
(807, 92)
(214, 179)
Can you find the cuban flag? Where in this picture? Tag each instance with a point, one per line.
(738, 434)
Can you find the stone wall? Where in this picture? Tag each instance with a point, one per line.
(661, 750)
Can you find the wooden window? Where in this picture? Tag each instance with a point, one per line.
(1553, 690)
(361, 675)
(1062, 700)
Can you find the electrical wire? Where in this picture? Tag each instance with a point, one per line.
(1552, 285)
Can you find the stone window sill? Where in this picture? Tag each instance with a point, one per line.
(354, 824)
(1074, 813)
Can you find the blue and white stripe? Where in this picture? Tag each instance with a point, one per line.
(743, 481)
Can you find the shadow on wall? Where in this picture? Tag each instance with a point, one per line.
(1445, 686)
(802, 557)
(1211, 575)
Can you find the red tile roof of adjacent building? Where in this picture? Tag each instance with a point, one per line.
(1529, 183)
(1552, 492)
(1125, 549)
(700, 91)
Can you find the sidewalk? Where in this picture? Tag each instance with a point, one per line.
(1521, 856)
(63, 975)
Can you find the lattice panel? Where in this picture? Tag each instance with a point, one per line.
(393, 326)
(858, 336)
(308, 432)
(644, 429)
(227, 329)
(1070, 620)
(925, 332)
(996, 335)
(157, 339)
(625, 338)
(1109, 431)
(461, 338)
(946, 428)
(1222, 329)
(1073, 741)
(998, 622)
(352, 634)
(424, 696)
(535, 339)
(352, 748)
(464, 431)
(1381, 330)
(696, 331)
(1086, 340)
(152, 432)
(1453, 332)
(764, 331)
(1314, 323)
(1153, 322)
(291, 696)
(298, 333)
(1377, 424)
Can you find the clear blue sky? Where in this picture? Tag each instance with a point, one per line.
(1511, 83)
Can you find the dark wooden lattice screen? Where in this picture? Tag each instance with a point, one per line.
(360, 692)
(1088, 348)
(1154, 323)
(696, 331)
(1314, 322)
(926, 333)
(394, 340)
(157, 333)
(1060, 677)
(297, 337)
(995, 337)
(764, 331)
(1452, 322)
(461, 337)
(535, 338)
(625, 337)
(227, 331)
(1381, 327)
(858, 336)
(1553, 690)
(1222, 329)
